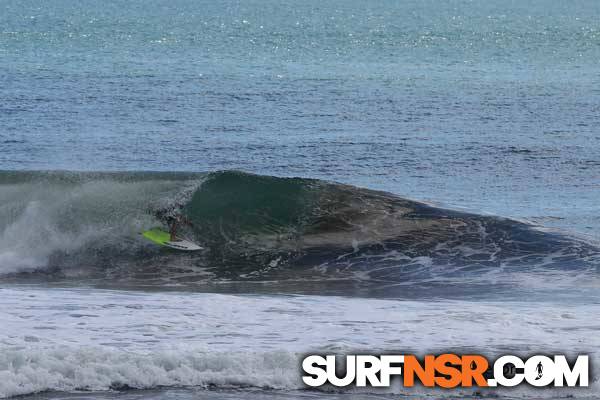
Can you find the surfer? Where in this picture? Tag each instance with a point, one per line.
(173, 218)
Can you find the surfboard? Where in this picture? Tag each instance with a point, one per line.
(163, 238)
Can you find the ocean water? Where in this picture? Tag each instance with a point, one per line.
(376, 176)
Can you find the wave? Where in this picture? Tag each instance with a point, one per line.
(66, 339)
(100, 368)
(96, 369)
(315, 234)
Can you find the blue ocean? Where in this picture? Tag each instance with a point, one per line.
(371, 177)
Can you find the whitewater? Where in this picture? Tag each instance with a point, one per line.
(99, 340)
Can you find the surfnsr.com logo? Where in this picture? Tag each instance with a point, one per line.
(444, 370)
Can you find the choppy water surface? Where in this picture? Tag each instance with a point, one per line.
(446, 190)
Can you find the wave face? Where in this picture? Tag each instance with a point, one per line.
(301, 234)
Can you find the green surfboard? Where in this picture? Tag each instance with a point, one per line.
(158, 236)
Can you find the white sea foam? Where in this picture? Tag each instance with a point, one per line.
(27, 243)
(38, 221)
(67, 339)
(35, 369)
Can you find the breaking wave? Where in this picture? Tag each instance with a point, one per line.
(313, 235)
(100, 368)
(85, 339)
